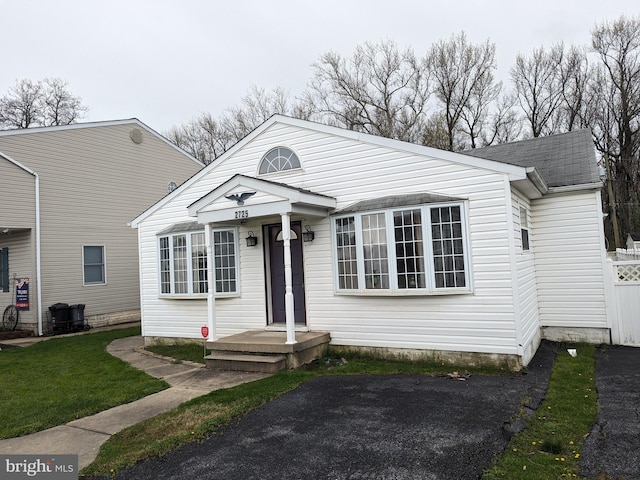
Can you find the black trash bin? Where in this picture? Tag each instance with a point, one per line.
(60, 320)
(77, 316)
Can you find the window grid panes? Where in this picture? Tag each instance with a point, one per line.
(419, 249)
(180, 266)
(183, 263)
(448, 251)
(165, 265)
(346, 250)
(199, 263)
(409, 249)
(279, 159)
(93, 264)
(224, 257)
(374, 242)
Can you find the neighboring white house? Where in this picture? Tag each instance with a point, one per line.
(390, 247)
(67, 195)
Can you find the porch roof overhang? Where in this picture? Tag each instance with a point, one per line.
(226, 203)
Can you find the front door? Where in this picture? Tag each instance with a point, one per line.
(275, 275)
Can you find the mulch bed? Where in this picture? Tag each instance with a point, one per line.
(15, 334)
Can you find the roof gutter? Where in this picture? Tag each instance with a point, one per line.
(576, 188)
(534, 177)
(38, 249)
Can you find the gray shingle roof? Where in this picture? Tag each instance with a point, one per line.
(396, 201)
(564, 159)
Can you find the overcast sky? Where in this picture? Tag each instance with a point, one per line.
(165, 62)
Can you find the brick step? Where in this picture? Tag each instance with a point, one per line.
(246, 362)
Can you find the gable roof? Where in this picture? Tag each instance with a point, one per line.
(515, 173)
(273, 198)
(562, 160)
(77, 126)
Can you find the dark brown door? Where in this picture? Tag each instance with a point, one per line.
(276, 272)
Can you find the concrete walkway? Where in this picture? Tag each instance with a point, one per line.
(84, 437)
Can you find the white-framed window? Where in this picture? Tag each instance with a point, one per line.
(93, 265)
(524, 228)
(183, 263)
(418, 250)
(278, 159)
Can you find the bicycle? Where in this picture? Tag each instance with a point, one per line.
(10, 318)
(10, 314)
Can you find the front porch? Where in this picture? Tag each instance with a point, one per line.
(265, 351)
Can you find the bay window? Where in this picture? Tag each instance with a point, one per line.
(412, 250)
(183, 263)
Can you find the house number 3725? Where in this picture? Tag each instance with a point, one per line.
(242, 213)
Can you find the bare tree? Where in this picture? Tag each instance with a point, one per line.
(44, 103)
(574, 77)
(379, 90)
(206, 138)
(475, 117)
(504, 123)
(463, 83)
(538, 85)
(201, 137)
(254, 108)
(20, 107)
(617, 117)
(436, 134)
(59, 106)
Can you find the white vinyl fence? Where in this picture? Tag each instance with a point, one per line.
(624, 254)
(625, 281)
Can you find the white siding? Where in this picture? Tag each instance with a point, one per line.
(569, 254)
(351, 171)
(526, 279)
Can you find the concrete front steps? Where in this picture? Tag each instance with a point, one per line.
(265, 351)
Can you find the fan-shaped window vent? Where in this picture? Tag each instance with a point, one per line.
(279, 159)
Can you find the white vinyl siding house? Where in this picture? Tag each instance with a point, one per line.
(414, 249)
(85, 181)
(569, 261)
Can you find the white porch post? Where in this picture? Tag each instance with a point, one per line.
(211, 272)
(288, 280)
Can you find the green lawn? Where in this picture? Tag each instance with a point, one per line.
(550, 446)
(58, 380)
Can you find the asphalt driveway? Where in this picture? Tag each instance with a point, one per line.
(612, 450)
(357, 427)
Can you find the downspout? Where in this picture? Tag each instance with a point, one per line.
(38, 255)
(38, 250)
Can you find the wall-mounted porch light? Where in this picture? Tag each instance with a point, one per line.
(252, 240)
(308, 236)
